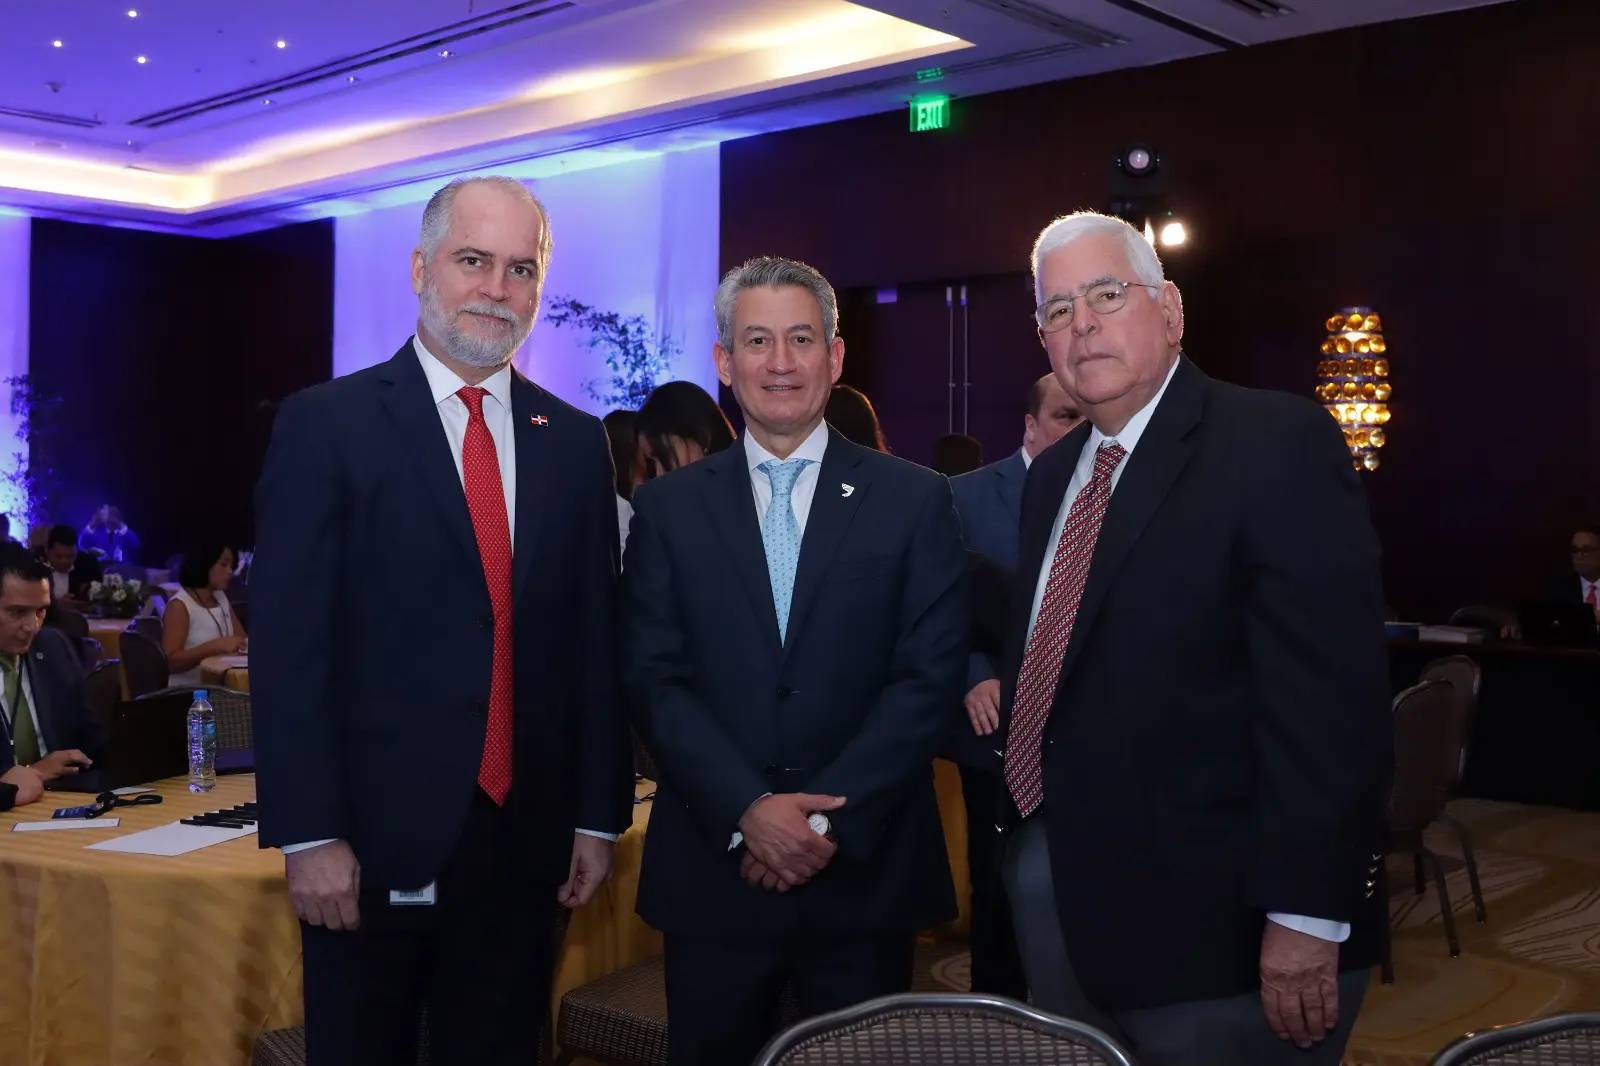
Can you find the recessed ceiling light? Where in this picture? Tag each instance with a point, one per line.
(352, 79)
(446, 54)
(55, 44)
(283, 44)
(268, 101)
(140, 59)
(132, 13)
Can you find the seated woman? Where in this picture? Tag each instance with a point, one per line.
(200, 622)
(679, 424)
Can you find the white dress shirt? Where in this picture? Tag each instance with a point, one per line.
(444, 383)
(1128, 438)
(1027, 460)
(1585, 586)
(60, 584)
(805, 486)
(801, 494)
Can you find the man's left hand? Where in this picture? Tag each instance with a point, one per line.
(592, 859)
(1299, 984)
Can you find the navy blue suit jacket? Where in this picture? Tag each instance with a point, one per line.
(852, 704)
(372, 630)
(56, 676)
(989, 504)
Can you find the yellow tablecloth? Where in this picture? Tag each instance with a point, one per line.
(229, 671)
(108, 631)
(116, 960)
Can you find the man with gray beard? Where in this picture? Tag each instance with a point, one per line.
(440, 749)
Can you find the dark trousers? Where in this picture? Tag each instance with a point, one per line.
(478, 961)
(996, 966)
(723, 994)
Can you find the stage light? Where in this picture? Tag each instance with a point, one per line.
(1172, 234)
(1138, 160)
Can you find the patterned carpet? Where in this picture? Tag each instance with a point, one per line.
(1538, 954)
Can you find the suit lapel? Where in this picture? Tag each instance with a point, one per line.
(534, 472)
(1160, 456)
(1009, 478)
(831, 512)
(732, 507)
(409, 402)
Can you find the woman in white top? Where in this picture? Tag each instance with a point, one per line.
(200, 622)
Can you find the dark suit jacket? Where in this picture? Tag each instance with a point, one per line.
(852, 704)
(1568, 589)
(989, 504)
(86, 570)
(1219, 746)
(372, 630)
(65, 721)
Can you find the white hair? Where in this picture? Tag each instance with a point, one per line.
(1068, 228)
(778, 273)
(436, 216)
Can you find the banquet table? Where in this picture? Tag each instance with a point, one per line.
(108, 631)
(228, 671)
(118, 959)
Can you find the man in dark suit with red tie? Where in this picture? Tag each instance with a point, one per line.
(440, 748)
(1196, 699)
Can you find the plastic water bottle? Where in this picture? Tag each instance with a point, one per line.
(202, 743)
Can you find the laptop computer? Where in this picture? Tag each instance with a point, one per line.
(1566, 625)
(145, 743)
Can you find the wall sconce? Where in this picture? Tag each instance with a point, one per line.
(1355, 387)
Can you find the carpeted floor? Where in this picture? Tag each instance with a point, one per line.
(1538, 954)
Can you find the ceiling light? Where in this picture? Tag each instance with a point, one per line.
(140, 59)
(1173, 234)
(132, 13)
(55, 44)
(267, 101)
(445, 53)
(283, 44)
(352, 79)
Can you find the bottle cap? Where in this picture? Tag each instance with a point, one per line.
(201, 694)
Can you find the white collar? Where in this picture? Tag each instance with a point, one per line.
(811, 448)
(444, 382)
(1130, 433)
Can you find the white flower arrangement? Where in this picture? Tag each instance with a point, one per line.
(117, 596)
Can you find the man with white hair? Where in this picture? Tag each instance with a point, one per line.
(1196, 697)
(441, 750)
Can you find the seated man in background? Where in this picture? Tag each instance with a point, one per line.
(1582, 586)
(71, 571)
(48, 728)
(108, 536)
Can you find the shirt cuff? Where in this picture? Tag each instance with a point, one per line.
(738, 838)
(1321, 928)
(596, 833)
(290, 849)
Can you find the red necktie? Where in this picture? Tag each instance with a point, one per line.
(1594, 604)
(1041, 663)
(486, 499)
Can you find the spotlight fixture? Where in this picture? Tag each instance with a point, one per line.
(55, 44)
(140, 60)
(1138, 161)
(132, 13)
(283, 44)
(1138, 184)
(1173, 234)
(1355, 382)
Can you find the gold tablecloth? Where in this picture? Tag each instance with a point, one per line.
(218, 671)
(108, 631)
(117, 960)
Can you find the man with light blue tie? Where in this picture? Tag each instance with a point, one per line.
(794, 630)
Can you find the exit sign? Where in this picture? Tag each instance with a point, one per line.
(930, 113)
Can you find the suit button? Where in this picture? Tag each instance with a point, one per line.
(784, 692)
(481, 708)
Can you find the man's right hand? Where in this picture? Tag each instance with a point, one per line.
(983, 707)
(61, 763)
(324, 882)
(777, 834)
(30, 786)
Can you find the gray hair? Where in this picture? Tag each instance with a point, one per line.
(1068, 228)
(773, 272)
(436, 216)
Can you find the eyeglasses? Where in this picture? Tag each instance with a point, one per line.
(1104, 298)
(1585, 549)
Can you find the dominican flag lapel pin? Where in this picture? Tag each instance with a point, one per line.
(540, 420)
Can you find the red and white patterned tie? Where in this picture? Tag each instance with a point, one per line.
(1047, 645)
(1593, 601)
(486, 500)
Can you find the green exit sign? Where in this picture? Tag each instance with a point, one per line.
(930, 113)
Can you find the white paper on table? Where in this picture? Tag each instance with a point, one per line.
(131, 790)
(66, 823)
(174, 838)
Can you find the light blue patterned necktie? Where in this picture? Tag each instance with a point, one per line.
(780, 534)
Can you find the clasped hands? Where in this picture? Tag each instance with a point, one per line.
(781, 848)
